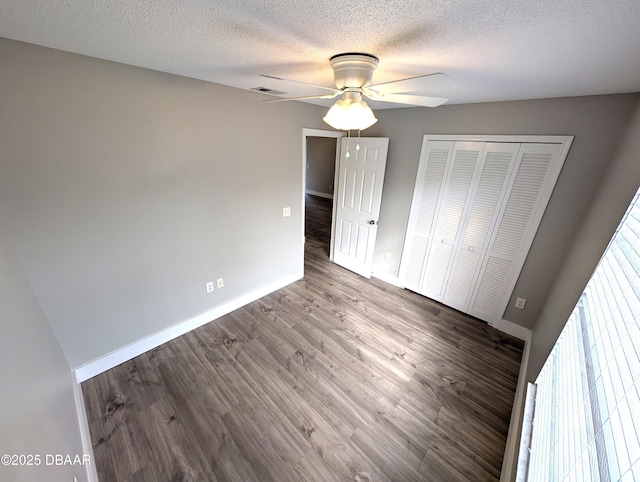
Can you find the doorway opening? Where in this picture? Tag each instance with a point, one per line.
(319, 166)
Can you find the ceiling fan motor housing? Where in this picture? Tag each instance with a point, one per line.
(353, 69)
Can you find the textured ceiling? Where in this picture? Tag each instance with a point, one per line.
(493, 49)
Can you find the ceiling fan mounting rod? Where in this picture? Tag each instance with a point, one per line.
(352, 94)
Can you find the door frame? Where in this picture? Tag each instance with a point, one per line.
(306, 132)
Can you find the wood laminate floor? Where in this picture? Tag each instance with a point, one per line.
(333, 378)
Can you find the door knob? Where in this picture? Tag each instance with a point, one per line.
(372, 221)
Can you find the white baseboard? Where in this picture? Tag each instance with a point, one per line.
(512, 447)
(388, 278)
(87, 448)
(319, 194)
(128, 352)
(513, 329)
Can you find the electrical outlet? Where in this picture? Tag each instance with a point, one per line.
(520, 302)
(209, 286)
(387, 256)
(220, 283)
(286, 212)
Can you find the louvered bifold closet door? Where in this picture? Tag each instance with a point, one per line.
(488, 190)
(512, 236)
(451, 214)
(431, 175)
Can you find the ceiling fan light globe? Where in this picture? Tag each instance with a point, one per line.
(350, 116)
(361, 115)
(335, 116)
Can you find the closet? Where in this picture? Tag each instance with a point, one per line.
(477, 204)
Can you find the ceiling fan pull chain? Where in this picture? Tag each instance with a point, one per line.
(348, 142)
(358, 145)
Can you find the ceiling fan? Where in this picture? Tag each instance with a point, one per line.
(353, 73)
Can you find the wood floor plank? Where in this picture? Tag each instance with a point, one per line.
(328, 444)
(436, 469)
(381, 380)
(464, 462)
(263, 459)
(334, 377)
(172, 450)
(476, 436)
(325, 388)
(206, 428)
(351, 377)
(396, 463)
(313, 468)
(415, 422)
(265, 415)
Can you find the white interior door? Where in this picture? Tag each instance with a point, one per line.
(455, 201)
(435, 160)
(536, 171)
(492, 176)
(359, 184)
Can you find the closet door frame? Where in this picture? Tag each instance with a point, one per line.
(545, 195)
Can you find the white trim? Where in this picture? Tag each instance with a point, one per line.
(513, 329)
(511, 451)
(128, 352)
(388, 278)
(518, 139)
(85, 436)
(334, 206)
(306, 132)
(527, 431)
(319, 194)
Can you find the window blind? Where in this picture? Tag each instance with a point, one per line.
(586, 424)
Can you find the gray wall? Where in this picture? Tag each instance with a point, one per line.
(321, 164)
(597, 123)
(38, 409)
(605, 212)
(127, 189)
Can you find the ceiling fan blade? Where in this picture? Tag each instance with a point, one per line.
(304, 97)
(422, 83)
(332, 89)
(420, 100)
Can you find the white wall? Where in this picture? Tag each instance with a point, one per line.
(38, 415)
(125, 190)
